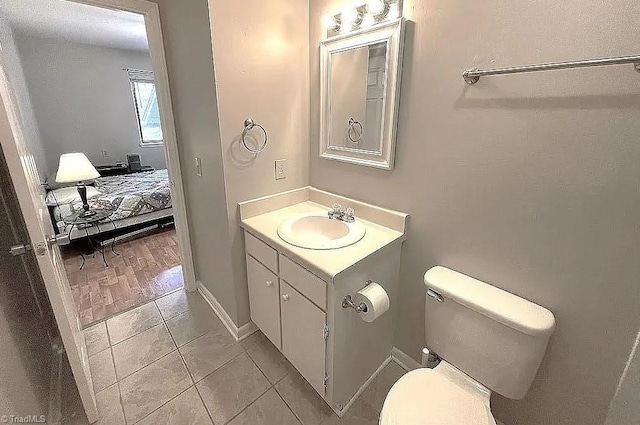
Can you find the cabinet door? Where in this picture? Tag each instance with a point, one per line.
(302, 335)
(264, 299)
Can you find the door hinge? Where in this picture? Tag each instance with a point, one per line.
(326, 381)
(325, 332)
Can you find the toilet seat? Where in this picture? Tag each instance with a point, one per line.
(440, 396)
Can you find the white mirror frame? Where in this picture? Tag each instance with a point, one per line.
(391, 33)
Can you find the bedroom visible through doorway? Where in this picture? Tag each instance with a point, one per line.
(84, 81)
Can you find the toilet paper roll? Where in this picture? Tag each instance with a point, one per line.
(375, 298)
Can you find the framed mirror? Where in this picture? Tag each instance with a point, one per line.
(360, 90)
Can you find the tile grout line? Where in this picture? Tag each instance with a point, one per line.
(159, 358)
(287, 404)
(113, 360)
(192, 385)
(248, 405)
(152, 300)
(188, 371)
(163, 404)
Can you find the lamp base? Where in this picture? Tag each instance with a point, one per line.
(85, 214)
(82, 191)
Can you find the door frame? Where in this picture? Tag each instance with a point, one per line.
(151, 14)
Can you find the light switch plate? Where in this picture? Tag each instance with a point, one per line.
(281, 168)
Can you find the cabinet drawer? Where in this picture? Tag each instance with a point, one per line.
(261, 251)
(304, 281)
(264, 299)
(303, 340)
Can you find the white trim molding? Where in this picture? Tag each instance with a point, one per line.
(238, 333)
(404, 360)
(151, 15)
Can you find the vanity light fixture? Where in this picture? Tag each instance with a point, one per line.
(361, 14)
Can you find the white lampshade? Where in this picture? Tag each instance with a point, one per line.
(75, 167)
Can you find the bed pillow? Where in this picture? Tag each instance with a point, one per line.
(67, 195)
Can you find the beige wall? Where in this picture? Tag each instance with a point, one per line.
(529, 182)
(187, 40)
(261, 62)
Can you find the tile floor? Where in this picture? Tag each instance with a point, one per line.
(172, 361)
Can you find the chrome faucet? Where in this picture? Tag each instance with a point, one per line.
(338, 213)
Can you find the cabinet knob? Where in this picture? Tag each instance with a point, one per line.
(285, 297)
(269, 283)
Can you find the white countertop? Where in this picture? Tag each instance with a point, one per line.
(325, 263)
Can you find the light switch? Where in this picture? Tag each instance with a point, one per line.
(281, 168)
(198, 166)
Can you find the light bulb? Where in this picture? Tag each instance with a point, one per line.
(368, 21)
(349, 14)
(329, 21)
(375, 7)
(394, 12)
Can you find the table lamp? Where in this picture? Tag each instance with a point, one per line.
(76, 167)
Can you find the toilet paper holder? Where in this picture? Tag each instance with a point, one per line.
(347, 302)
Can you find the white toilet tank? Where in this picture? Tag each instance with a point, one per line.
(493, 336)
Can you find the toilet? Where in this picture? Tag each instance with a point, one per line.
(487, 339)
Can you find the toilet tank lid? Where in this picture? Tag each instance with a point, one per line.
(502, 306)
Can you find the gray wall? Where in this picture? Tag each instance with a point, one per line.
(528, 182)
(261, 62)
(82, 100)
(187, 39)
(13, 67)
(625, 406)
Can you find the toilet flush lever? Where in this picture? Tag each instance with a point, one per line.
(435, 295)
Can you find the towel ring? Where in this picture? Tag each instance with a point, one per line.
(249, 124)
(352, 123)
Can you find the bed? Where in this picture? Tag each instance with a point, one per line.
(137, 200)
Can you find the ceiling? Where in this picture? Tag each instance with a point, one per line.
(75, 22)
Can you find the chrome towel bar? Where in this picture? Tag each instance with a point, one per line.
(472, 76)
(250, 124)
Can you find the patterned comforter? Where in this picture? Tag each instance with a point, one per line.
(128, 195)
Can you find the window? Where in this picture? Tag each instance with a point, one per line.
(146, 106)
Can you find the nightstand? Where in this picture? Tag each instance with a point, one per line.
(84, 223)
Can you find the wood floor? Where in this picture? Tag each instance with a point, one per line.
(147, 268)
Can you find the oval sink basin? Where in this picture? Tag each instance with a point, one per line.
(316, 231)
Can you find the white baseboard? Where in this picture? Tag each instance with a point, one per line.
(363, 387)
(237, 333)
(404, 360)
(246, 330)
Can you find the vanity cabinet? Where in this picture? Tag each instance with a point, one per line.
(301, 313)
(289, 308)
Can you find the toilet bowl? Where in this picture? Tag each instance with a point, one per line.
(440, 396)
(488, 340)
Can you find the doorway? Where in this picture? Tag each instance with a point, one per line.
(101, 90)
(21, 155)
